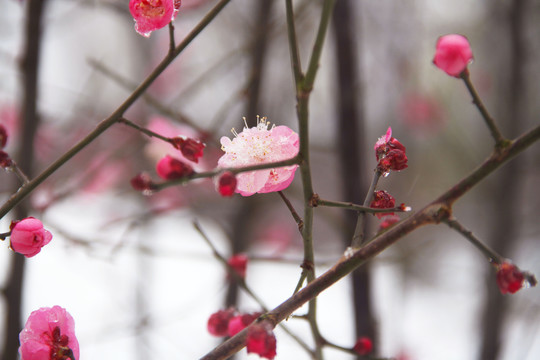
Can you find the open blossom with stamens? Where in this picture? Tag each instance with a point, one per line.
(49, 334)
(260, 145)
(150, 15)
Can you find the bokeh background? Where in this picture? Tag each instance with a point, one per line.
(141, 282)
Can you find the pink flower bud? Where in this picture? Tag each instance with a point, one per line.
(191, 149)
(363, 346)
(169, 168)
(218, 323)
(238, 263)
(240, 322)
(3, 136)
(261, 340)
(509, 278)
(150, 15)
(28, 236)
(142, 182)
(226, 184)
(382, 200)
(452, 54)
(49, 334)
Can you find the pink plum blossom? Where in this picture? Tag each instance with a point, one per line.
(150, 15)
(260, 145)
(28, 236)
(452, 54)
(49, 334)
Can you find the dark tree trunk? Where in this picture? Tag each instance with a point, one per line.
(30, 121)
(349, 110)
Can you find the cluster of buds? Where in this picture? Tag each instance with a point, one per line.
(390, 154)
(260, 338)
(382, 200)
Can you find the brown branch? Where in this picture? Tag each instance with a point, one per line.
(433, 213)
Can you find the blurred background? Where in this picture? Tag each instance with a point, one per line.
(141, 282)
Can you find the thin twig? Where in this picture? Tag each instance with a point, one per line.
(145, 131)
(494, 130)
(491, 255)
(172, 42)
(294, 214)
(359, 208)
(359, 236)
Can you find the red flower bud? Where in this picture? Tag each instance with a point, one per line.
(261, 340)
(170, 168)
(218, 323)
(238, 263)
(142, 182)
(227, 184)
(390, 153)
(363, 346)
(382, 200)
(190, 148)
(509, 278)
